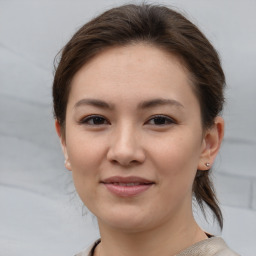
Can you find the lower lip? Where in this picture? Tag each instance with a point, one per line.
(127, 191)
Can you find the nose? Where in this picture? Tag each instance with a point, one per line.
(125, 147)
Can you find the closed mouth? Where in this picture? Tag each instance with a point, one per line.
(127, 186)
(127, 181)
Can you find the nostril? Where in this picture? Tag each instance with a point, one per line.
(114, 161)
(124, 163)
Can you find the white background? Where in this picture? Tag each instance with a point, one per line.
(39, 211)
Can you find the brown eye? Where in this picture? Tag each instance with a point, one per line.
(160, 120)
(94, 120)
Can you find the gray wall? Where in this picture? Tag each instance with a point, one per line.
(39, 213)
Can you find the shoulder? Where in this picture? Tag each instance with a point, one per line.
(89, 251)
(86, 252)
(214, 246)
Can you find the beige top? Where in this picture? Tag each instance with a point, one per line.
(214, 246)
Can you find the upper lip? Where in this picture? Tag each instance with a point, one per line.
(130, 179)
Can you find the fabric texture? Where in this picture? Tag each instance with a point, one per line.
(214, 246)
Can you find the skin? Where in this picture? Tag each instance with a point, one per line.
(129, 140)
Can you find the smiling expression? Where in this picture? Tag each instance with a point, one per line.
(133, 136)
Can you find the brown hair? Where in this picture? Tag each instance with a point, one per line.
(161, 27)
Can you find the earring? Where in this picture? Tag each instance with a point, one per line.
(207, 164)
(66, 163)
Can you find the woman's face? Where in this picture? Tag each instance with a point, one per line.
(133, 137)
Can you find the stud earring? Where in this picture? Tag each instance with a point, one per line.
(207, 164)
(66, 163)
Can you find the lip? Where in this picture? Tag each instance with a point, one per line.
(127, 186)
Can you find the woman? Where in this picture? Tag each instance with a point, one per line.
(137, 97)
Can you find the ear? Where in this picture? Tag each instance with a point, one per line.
(211, 144)
(63, 144)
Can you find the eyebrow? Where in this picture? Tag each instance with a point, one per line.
(143, 105)
(159, 102)
(94, 102)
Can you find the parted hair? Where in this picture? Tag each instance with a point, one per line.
(161, 27)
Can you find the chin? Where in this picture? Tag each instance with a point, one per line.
(128, 226)
(127, 220)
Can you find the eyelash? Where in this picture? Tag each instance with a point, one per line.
(167, 120)
(95, 118)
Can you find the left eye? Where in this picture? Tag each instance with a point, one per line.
(160, 120)
(94, 120)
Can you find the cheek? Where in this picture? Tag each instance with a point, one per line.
(85, 156)
(85, 175)
(84, 151)
(177, 161)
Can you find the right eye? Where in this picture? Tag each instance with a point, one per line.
(94, 120)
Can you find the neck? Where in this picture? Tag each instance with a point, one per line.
(167, 239)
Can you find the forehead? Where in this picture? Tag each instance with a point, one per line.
(135, 53)
(133, 70)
